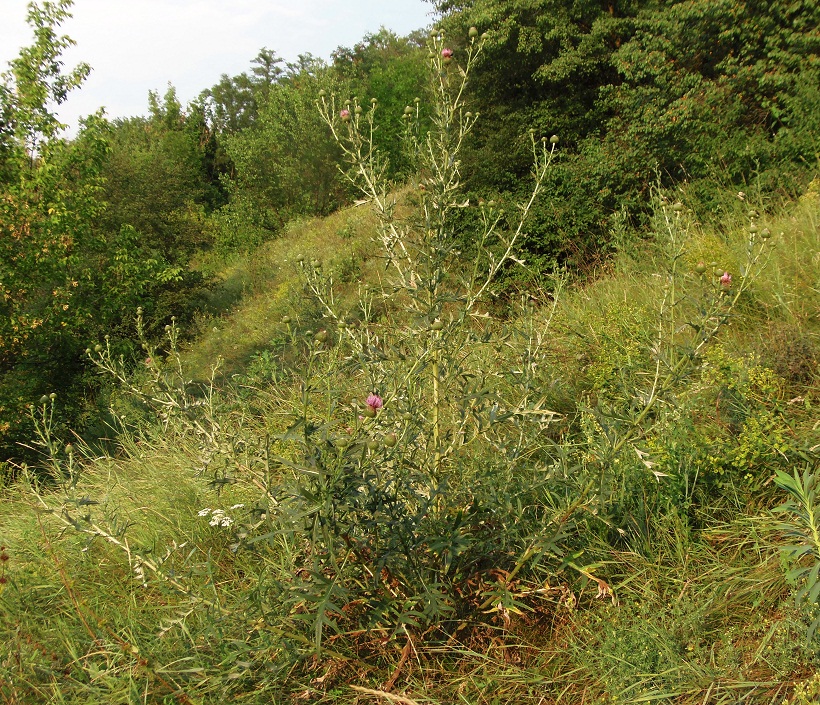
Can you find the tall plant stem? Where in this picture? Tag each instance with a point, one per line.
(436, 436)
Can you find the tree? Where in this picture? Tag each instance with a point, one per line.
(64, 279)
(284, 165)
(230, 105)
(159, 178)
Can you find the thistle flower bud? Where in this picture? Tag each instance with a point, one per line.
(554, 139)
(408, 110)
(97, 348)
(52, 396)
(700, 267)
(322, 93)
(390, 440)
(677, 206)
(473, 32)
(44, 399)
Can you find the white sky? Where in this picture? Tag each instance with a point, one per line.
(134, 46)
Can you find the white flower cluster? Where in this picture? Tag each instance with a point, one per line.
(218, 516)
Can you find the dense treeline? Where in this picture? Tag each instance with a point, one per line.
(717, 95)
(720, 96)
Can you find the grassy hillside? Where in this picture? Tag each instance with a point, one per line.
(236, 542)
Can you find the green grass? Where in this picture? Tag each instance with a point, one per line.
(118, 590)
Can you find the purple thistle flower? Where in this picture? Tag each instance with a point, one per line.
(447, 53)
(726, 280)
(374, 401)
(345, 114)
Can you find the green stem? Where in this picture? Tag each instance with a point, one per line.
(436, 436)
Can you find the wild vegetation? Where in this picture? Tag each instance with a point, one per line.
(385, 415)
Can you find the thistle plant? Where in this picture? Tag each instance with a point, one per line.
(59, 461)
(396, 404)
(425, 273)
(695, 303)
(163, 386)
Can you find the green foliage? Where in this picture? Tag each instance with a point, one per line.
(392, 70)
(157, 180)
(65, 277)
(35, 82)
(282, 168)
(694, 91)
(801, 526)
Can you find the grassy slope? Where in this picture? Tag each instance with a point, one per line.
(703, 619)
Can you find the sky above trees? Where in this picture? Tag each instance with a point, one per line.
(135, 47)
